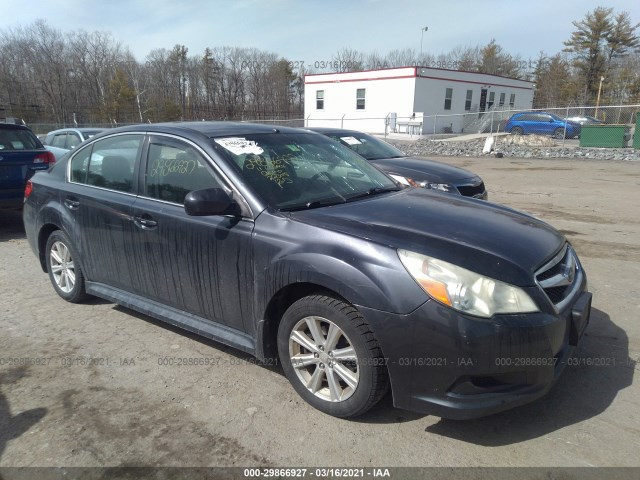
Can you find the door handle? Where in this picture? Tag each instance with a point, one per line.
(72, 203)
(145, 221)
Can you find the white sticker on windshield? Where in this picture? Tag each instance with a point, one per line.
(350, 140)
(239, 146)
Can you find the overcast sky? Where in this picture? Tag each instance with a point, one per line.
(310, 31)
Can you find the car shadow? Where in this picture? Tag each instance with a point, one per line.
(13, 426)
(11, 225)
(241, 356)
(382, 412)
(598, 370)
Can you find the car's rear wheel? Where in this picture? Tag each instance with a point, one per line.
(558, 133)
(517, 131)
(64, 271)
(331, 357)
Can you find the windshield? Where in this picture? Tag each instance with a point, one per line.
(294, 171)
(367, 146)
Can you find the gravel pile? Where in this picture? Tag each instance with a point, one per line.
(529, 146)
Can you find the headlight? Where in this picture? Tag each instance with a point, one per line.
(442, 187)
(464, 290)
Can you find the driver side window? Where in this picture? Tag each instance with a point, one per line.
(175, 169)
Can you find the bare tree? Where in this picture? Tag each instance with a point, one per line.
(347, 60)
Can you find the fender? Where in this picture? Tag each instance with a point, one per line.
(53, 216)
(398, 293)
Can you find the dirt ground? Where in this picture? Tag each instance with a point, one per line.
(88, 385)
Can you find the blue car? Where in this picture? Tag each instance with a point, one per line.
(541, 123)
(21, 155)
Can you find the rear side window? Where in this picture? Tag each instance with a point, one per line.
(18, 139)
(175, 168)
(109, 163)
(73, 140)
(80, 166)
(59, 140)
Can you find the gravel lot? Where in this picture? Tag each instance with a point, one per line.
(94, 391)
(515, 146)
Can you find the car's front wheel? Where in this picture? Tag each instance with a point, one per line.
(558, 133)
(331, 357)
(64, 271)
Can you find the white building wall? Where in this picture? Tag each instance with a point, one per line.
(431, 88)
(386, 91)
(401, 91)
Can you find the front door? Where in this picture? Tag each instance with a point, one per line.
(201, 265)
(483, 100)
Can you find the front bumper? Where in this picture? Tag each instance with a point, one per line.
(444, 363)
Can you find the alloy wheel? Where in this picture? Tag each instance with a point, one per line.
(62, 267)
(324, 359)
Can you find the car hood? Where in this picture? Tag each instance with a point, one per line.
(419, 169)
(489, 239)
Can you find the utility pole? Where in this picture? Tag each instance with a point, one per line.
(422, 30)
(598, 99)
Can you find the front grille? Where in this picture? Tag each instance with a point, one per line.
(556, 294)
(471, 190)
(560, 277)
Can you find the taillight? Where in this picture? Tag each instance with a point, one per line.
(45, 157)
(28, 188)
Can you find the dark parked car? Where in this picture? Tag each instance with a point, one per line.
(407, 170)
(541, 123)
(21, 154)
(585, 120)
(283, 243)
(69, 138)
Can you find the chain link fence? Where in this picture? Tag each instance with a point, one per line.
(603, 126)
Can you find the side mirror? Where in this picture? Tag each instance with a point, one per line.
(210, 201)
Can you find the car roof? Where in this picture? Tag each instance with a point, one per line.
(207, 128)
(340, 131)
(13, 126)
(81, 130)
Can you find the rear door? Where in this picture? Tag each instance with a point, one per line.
(100, 195)
(545, 123)
(19, 149)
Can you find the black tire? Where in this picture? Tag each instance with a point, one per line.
(558, 133)
(517, 131)
(74, 293)
(369, 366)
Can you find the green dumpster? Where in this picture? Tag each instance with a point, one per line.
(636, 135)
(613, 136)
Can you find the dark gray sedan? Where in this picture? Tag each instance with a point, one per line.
(417, 172)
(287, 245)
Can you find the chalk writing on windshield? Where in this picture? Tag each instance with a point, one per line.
(277, 173)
